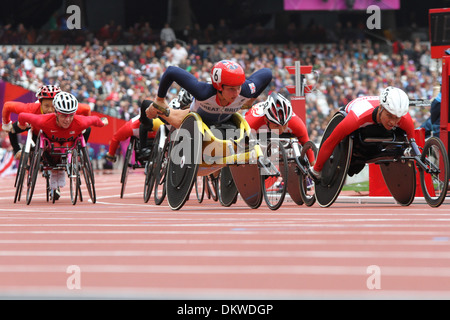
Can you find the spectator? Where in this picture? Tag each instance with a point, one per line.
(168, 35)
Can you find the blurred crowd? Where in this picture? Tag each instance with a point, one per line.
(114, 78)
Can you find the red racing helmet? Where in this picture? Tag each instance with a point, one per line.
(227, 73)
(47, 92)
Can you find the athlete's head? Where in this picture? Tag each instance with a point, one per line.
(45, 95)
(278, 109)
(65, 105)
(185, 98)
(227, 77)
(395, 103)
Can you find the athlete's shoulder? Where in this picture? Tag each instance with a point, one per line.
(257, 110)
(362, 104)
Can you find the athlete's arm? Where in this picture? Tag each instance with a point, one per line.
(123, 133)
(13, 107)
(406, 123)
(298, 128)
(199, 90)
(342, 130)
(256, 83)
(35, 120)
(84, 109)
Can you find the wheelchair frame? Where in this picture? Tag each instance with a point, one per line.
(437, 173)
(240, 163)
(73, 159)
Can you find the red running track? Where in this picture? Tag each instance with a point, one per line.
(359, 248)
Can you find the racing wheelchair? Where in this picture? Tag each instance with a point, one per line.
(156, 166)
(196, 150)
(397, 158)
(24, 165)
(73, 158)
(130, 163)
(297, 183)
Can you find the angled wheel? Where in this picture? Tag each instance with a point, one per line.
(227, 188)
(161, 172)
(88, 173)
(211, 187)
(48, 189)
(434, 179)
(248, 183)
(335, 169)
(199, 185)
(184, 160)
(162, 161)
(33, 173)
(150, 174)
(274, 187)
(307, 187)
(126, 165)
(22, 172)
(74, 177)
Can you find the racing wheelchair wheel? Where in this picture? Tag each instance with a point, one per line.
(184, 160)
(274, 187)
(22, 172)
(88, 173)
(307, 187)
(161, 172)
(434, 179)
(200, 184)
(211, 187)
(74, 177)
(150, 169)
(335, 169)
(33, 172)
(126, 164)
(227, 191)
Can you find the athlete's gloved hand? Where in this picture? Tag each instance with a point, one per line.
(7, 126)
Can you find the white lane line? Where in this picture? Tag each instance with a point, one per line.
(236, 225)
(355, 242)
(444, 255)
(402, 271)
(234, 232)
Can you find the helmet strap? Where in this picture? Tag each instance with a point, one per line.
(377, 111)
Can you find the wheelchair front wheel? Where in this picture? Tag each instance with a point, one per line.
(126, 165)
(307, 187)
(274, 187)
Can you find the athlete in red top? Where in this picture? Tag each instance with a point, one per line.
(62, 127)
(276, 113)
(130, 128)
(389, 110)
(44, 105)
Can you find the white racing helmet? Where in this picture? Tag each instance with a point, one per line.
(185, 98)
(395, 101)
(182, 101)
(65, 102)
(278, 109)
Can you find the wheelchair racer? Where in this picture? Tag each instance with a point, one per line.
(277, 115)
(44, 105)
(132, 128)
(388, 111)
(215, 102)
(62, 127)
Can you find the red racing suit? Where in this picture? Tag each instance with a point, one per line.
(361, 112)
(131, 128)
(35, 108)
(47, 123)
(256, 119)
